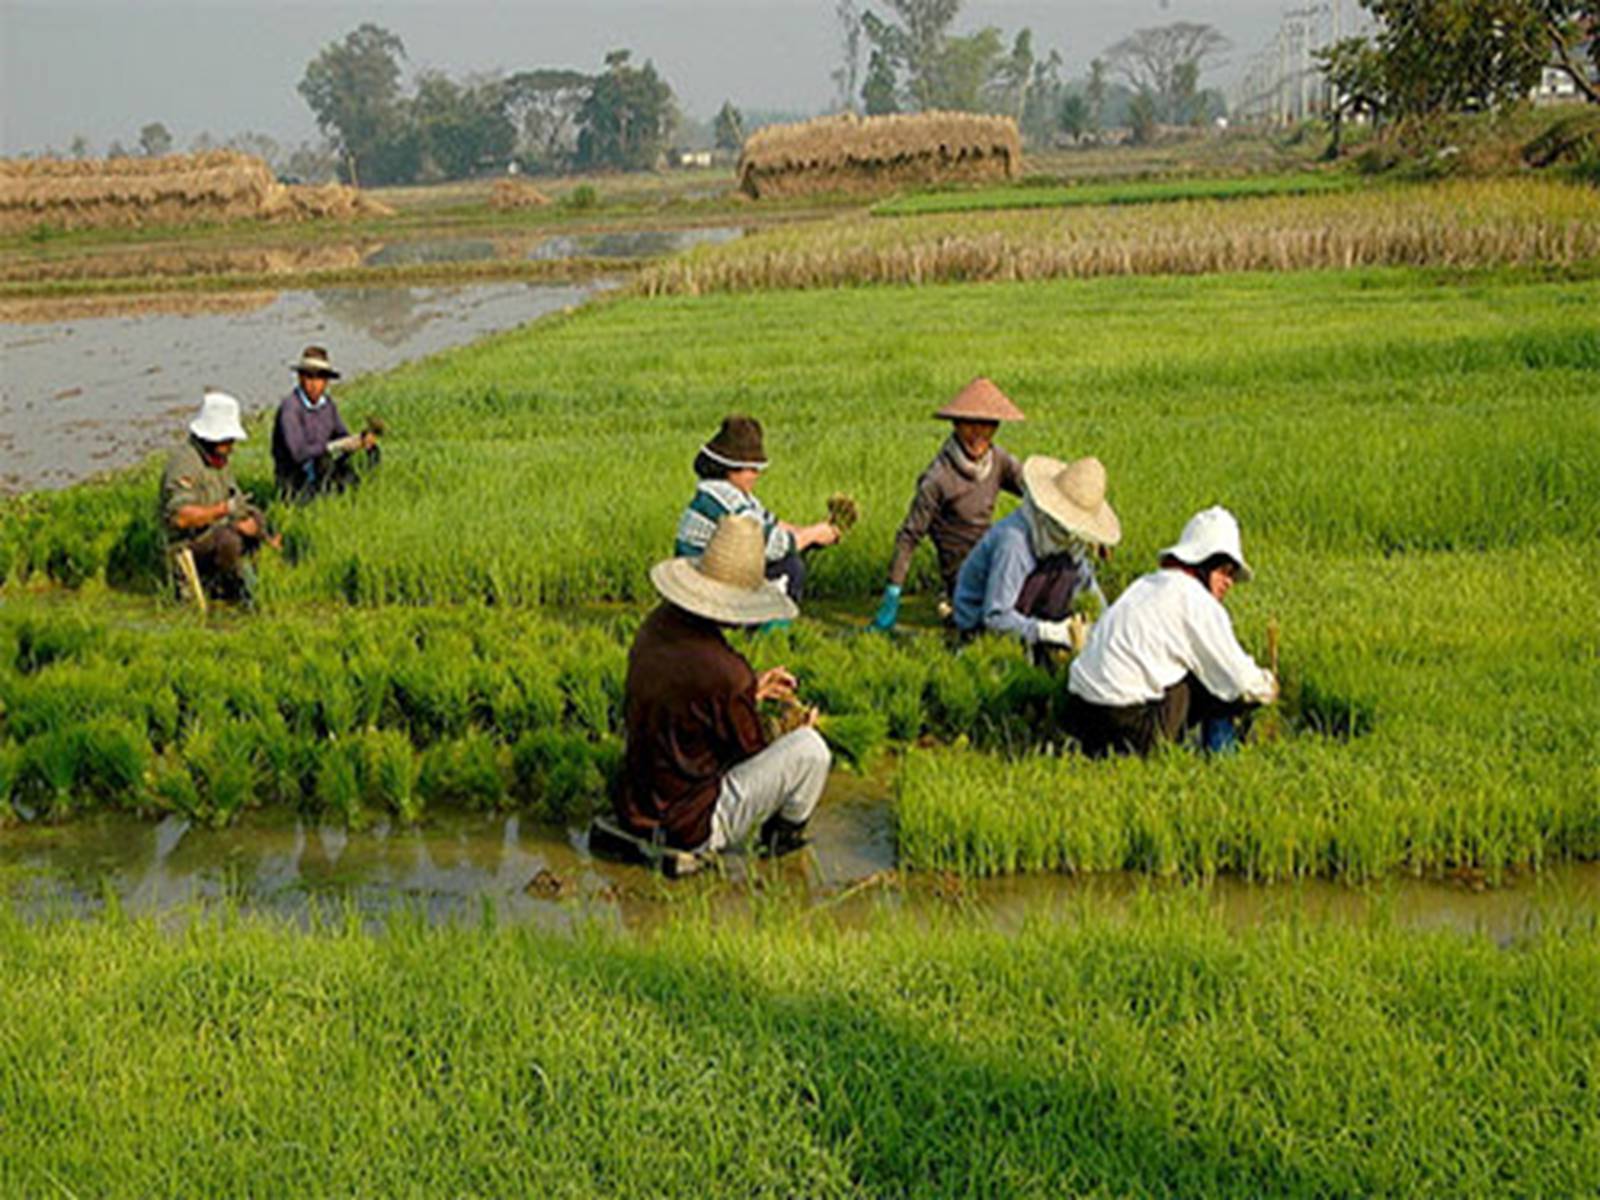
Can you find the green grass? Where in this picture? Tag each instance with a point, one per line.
(1151, 191)
(1151, 1053)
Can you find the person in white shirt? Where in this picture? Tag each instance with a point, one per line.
(1164, 659)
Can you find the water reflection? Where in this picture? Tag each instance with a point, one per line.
(631, 243)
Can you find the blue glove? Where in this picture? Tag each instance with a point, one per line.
(888, 610)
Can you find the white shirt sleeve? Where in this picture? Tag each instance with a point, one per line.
(1220, 663)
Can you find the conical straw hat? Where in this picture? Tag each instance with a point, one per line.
(728, 582)
(1073, 495)
(980, 400)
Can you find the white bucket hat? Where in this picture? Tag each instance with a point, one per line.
(1073, 495)
(728, 582)
(1213, 531)
(218, 419)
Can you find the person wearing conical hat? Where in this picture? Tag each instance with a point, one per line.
(1164, 659)
(728, 467)
(1029, 570)
(203, 509)
(956, 494)
(698, 771)
(312, 448)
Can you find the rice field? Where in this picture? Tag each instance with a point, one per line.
(1143, 191)
(1459, 224)
(1099, 1054)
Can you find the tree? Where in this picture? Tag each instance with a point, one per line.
(1095, 93)
(1011, 77)
(1042, 105)
(1073, 117)
(1142, 118)
(962, 76)
(914, 44)
(627, 118)
(79, 148)
(1158, 61)
(353, 89)
(543, 108)
(461, 126)
(879, 92)
(263, 146)
(848, 73)
(1569, 25)
(154, 140)
(729, 128)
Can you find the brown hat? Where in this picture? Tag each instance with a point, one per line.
(314, 361)
(727, 583)
(1073, 495)
(737, 445)
(980, 400)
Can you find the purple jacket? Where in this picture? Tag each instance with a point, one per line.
(301, 435)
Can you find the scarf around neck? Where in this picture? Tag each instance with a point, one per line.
(975, 469)
(1047, 538)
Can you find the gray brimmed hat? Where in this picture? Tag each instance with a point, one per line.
(218, 419)
(1211, 531)
(314, 361)
(728, 582)
(980, 400)
(1073, 495)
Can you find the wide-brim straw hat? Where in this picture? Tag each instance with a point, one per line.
(980, 400)
(218, 419)
(1210, 532)
(314, 361)
(738, 445)
(728, 582)
(1073, 495)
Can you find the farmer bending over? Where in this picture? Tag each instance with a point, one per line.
(1164, 658)
(1024, 576)
(698, 771)
(312, 450)
(954, 503)
(728, 467)
(202, 507)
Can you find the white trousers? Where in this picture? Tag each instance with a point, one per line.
(786, 778)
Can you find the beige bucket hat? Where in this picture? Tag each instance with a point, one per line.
(218, 419)
(314, 361)
(1211, 531)
(1073, 495)
(727, 583)
(980, 400)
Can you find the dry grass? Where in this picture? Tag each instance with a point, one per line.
(509, 194)
(852, 154)
(1453, 224)
(219, 185)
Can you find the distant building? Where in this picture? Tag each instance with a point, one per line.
(694, 158)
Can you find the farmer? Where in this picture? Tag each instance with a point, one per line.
(202, 508)
(728, 467)
(698, 770)
(312, 450)
(1164, 659)
(1025, 575)
(954, 502)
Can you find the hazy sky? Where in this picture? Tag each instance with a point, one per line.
(105, 69)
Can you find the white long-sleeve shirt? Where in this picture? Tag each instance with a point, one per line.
(1165, 626)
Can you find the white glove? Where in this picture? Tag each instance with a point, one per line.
(1055, 633)
(1078, 627)
(238, 507)
(1265, 692)
(345, 444)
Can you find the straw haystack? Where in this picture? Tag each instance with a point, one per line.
(177, 189)
(848, 153)
(509, 194)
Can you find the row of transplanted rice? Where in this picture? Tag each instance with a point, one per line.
(1042, 193)
(1528, 222)
(1147, 1052)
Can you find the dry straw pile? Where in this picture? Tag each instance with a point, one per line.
(178, 189)
(848, 153)
(511, 194)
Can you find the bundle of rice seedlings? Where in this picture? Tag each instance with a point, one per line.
(843, 512)
(847, 153)
(857, 737)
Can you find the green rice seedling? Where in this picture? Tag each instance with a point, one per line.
(338, 787)
(40, 639)
(48, 777)
(388, 769)
(220, 757)
(590, 701)
(113, 757)
(172, 788)
(856, 736)
(465, 772)
(11, 764)
(557, 773)
(1165, 191)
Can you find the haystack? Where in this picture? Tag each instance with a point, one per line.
(510, 194)
(847, 153)
(177, 189)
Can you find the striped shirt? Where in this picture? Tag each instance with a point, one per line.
(715, 499)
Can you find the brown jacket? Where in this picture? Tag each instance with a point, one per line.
(690, 715)
(955, 505)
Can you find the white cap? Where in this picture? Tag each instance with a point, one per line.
(218, 419)
(1213, 531)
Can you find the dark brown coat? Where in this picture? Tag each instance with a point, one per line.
(955, 507)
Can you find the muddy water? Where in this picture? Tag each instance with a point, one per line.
(84, 393)
(455, 868)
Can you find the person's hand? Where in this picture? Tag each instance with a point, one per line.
(825, 534)
(368, 440)
(249, 526)
(1268, 691)
(1055, 633)
(1078, 627)
(888, 611)
(236, 507)
(275, 540)
(775, 684)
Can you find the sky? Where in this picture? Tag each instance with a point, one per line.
(223, 67)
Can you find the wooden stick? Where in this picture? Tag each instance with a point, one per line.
(191, 577)
(1272, 644)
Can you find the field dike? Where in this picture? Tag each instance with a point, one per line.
(1416, 463)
